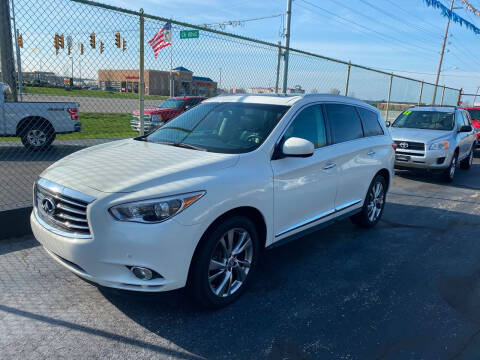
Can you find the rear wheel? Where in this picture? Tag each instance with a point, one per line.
(224, 263)
(373, 205)
(449, 173)
(37, 135)
(468, 161)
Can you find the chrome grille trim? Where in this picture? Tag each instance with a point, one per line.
(69, 215)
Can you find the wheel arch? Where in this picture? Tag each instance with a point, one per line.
(249, 212)
(31, 120)
(386, 175)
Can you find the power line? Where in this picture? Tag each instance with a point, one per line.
(385, 37)
(222, 25)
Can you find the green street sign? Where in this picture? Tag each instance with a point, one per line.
(189, 34)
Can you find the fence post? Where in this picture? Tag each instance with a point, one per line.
(459, 101)
(443, 94)
(347, 83)
(141, 84)
(6, 49)
(279, 55)
(389, 94)
(421, 93)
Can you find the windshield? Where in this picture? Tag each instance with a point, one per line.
(231, 128)
(475, 114)
(430, 120)
(172, 104)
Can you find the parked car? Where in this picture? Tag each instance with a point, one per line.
(166, 111)
(109, 88)
(475, 115)
(434, 138)
(36, 123)
(196, 202)
(93, 88)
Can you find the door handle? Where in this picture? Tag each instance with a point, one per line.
(371, 152)
(329, 166)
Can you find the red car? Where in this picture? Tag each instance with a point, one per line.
(475, 115)
(166, 111)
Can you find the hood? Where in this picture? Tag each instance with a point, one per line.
(130, 165)
(418, 135)
(156, 111)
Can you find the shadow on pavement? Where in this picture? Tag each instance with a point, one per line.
(56, 152)
(389, 292)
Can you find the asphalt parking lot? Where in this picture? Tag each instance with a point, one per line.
(410, 288)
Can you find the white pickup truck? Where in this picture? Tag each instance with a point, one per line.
(36, 123)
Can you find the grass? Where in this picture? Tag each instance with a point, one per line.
(87, 93)
(97, 126)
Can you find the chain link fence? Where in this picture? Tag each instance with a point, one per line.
(80, 84)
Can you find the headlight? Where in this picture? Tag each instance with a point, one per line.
(154, 210)
(440, 145)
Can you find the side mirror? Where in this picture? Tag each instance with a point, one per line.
(186, 107)
(297, 147)
(388, 123)
(465, 128)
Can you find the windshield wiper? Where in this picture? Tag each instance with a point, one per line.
(188, 146)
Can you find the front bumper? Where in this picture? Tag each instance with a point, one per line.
(430, 160)
(166, 248)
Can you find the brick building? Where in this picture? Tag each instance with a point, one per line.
(158, 82)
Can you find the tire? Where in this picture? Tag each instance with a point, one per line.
(37, 135)
(373, 205)
(449, 173)
(217, 279)
(466, 163)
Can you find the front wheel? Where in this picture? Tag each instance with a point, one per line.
(466, 163)
(373, 205)
(224, 262)
(449, 173)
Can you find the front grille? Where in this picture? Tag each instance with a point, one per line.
(410, 145)
(63, 210)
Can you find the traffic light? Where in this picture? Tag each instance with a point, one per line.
(61, 41)
(101, 47)
(92, 40)
(81, 49)
(68, 50)
(124, 45)
(20, 41)
(56, 43)
(117, 39)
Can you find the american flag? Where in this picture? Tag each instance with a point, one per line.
(161, 39)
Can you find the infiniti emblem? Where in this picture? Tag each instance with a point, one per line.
(48, 206)
(403, 145)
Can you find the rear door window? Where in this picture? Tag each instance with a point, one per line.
(371, 126)
(344, 122)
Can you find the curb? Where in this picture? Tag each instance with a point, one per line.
(15, 223)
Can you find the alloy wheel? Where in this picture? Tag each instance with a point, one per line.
(453, 167)
(376, 200)
(37, 137)
(230, 262)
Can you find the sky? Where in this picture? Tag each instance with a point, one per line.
(390, 35)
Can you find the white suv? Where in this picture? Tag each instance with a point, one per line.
(196, 202)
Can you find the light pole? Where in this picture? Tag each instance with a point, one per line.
(475, 97)
(287, 46)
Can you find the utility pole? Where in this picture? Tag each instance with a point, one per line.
(441, 56)
(475, 97)
(6, 49)
(18, 56)
(278, 66)
(287, 46)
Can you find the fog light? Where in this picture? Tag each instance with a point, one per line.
(142, 273)
(440, 160)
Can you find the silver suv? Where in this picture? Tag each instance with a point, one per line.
(434, 138)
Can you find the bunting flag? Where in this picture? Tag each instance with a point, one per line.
(451, 15)
(471, 8)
